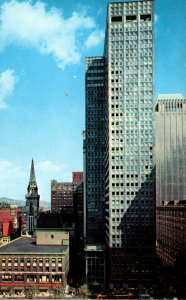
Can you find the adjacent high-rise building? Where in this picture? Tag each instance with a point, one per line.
(61, 196)
(95, 149)
(120, 177)
(32, 202)
(170, 150)
(170, 124)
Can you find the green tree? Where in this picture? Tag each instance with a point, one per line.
(30, 292)
(84, 290)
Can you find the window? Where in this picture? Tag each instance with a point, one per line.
(52, 236)
(145, 17)
(116, 19)
(6, 277)
(130, 18)
(19, 278)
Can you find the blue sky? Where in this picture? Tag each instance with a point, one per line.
(43, 46)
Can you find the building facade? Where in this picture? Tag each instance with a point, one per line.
(61, 196)
(9, 223)
(171, 232)
(77, 178)
(95, 150)
(30, 265)
(171, 241)
(170, 123)
(32, 202)
(127, 160)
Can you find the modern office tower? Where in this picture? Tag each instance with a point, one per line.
(170, 125)
(61, 196)
(32, 202)
(94, 171)
(128, 168)
(95, 149)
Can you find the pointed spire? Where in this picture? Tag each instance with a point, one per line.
(32, 181)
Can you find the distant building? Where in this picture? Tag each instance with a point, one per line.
(32, 202)
(61, 196)
(9, 223)
(78, 209)
(170, 128)
(77, 178)
(35, 265)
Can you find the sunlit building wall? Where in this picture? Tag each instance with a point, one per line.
(170, 122)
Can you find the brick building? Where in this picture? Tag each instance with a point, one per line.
(9, 223)
(77, 178)
(171, 240)
(37, 265)
(171, 231)
(61, 196)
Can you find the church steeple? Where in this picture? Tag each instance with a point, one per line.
(32, 185)
(32, 201)
(32, 180)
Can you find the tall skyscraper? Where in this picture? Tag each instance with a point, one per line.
(95, 149)
(170, 123)
(124, 124)
(32, 202)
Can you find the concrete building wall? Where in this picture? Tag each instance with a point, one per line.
(52, 237)
(130, 178)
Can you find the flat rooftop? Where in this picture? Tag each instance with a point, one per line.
(24, 245)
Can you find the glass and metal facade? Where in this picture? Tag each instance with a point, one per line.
(130, 184)
(94, 148)
(128, 159)
(170, 125)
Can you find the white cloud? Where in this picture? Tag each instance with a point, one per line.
(9, 171)
(49, 166)
(94, 39)
(33, 25)
(7, 83)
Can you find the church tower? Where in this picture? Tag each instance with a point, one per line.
(32, 202)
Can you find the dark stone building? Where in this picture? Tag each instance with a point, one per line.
(32, 202)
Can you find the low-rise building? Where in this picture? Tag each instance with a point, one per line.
(9, 223)
(40, 264)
